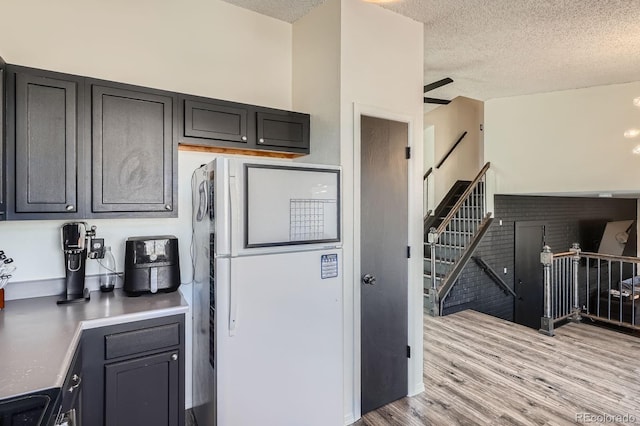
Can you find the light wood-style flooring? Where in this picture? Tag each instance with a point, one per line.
(480, 370)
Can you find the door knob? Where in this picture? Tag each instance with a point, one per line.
(368, 279)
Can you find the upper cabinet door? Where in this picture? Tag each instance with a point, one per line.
(214, 120)
(133, 155)
(46, 144)
(287, 130)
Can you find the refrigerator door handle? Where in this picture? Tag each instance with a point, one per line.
(235, 216)
(233, 307)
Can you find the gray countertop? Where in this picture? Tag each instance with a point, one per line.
(38, 337)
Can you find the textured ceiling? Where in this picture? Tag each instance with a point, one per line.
(499, 48)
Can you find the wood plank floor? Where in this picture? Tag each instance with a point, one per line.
(480, 370)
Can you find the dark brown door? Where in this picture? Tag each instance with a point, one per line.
(383, 261)
(133, 145)
(529, 285)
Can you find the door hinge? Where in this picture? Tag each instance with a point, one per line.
(407, 152)
(408, 252)
(408, 351)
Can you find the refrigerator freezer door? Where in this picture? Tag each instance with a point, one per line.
(284, 365)
(280, 207)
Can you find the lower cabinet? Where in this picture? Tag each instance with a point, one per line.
(69, 409)
(134, 373)
(143, 390)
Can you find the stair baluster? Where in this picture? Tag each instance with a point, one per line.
(452, 242)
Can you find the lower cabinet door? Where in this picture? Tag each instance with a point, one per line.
(143, 391)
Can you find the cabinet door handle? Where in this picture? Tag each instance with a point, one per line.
(261, 140)
(69, 207)
(244, 138)
(77, 380)
(167, 207)
(174, 357)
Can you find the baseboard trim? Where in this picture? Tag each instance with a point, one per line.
(417, 390)
(349, 419)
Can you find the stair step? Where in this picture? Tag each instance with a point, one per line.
(452, 246)
(444, 253)
(426, 281)
(442, 267)
(454, 239)
(442, 260)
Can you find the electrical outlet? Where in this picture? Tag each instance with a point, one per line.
(96, 251)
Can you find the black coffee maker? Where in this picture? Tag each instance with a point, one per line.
(78, 244)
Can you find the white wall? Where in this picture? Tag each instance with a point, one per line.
(381, 70)
(204, 47)
(316, 79)
(564, 142)
(449, 123)
(343, 62)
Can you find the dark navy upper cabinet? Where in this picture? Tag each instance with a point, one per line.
(134, 150)
(215, 123)
(82, 148)
(44, 144)
(73, 147)
(283, 129)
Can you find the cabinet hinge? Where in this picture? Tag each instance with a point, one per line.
(407, 152)
(408, 351)
(408, 252)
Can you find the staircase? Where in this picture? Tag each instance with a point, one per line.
(452, 233)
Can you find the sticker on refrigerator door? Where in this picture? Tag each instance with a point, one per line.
(329, 266)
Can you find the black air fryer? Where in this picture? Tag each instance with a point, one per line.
(151, 265)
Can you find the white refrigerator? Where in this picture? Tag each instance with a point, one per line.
(267, 302)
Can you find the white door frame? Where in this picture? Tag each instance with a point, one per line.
(414, 265)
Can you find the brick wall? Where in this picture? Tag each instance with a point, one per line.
(562, 217)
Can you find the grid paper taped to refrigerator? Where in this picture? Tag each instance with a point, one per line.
(306, 219)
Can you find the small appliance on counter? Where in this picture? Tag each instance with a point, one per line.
(151, 265)
(78, 244)
(6, 269)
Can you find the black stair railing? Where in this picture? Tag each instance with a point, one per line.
(493, 275)
(425, 194)
(455, 145)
